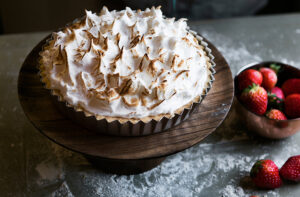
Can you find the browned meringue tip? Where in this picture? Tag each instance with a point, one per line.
(125, 126)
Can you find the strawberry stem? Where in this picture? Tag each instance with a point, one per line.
(275, 67)
(252, 87)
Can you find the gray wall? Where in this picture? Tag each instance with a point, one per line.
(41, 15)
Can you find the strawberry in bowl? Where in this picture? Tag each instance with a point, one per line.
(255, 99)
(270, 106)
(291, 86)
(269, 78)
(249, 77)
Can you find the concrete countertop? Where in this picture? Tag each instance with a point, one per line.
(31, 165)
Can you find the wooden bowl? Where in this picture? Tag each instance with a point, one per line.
(274, 129)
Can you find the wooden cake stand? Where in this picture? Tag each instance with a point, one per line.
(123, 155)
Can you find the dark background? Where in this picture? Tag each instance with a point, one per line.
(46, 15)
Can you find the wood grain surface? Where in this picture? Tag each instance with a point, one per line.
(43, 114)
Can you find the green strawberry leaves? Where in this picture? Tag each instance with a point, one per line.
(275, 67)
(256, 168)
(274, 102)
(252, 87)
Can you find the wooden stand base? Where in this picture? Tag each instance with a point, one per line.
(123, 155)
(124, 167)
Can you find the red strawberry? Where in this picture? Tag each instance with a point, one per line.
(292, 106)
(276, 114)
(291, 169)
(269, 78)
(276, 99)
(248, 77)
(291, 86)
(255, 98)
(265, 174)
(278, 92)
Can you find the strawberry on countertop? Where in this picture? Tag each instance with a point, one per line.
(292, 106)
(269, 78)
(291, 86)
(255, 98)
(248, 77)
(291, 169)
(276, 114)
(265, 174)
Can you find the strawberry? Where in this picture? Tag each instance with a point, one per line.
(291, 169)
(248, 77)
(276, 99)
(255, 98)
(278, 92)
(265, 174)
(291, 86)
(269, 78)
(274, 102)
(276, 114)
(292, 106)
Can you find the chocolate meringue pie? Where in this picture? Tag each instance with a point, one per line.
(126, 65)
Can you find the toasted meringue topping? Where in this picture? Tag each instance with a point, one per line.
(129, 64)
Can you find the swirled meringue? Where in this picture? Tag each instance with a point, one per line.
(128, 64)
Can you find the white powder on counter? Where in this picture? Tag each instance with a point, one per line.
(233, 191)
(236, 54)
(62, 191)
(219, 166)
(48, 171)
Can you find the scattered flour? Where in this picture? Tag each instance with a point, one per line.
(233, 191)
(62, 191)
(237, 54)
(212, 168)
(195, 172)
(48, 171)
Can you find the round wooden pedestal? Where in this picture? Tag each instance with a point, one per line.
(123, 155)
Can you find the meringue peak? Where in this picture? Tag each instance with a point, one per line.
(126, 63)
